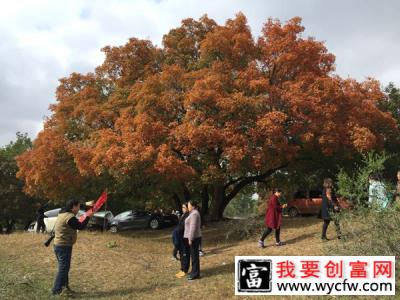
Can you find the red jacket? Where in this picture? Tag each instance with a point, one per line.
(273, 216)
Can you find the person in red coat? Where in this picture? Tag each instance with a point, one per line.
(273, 218)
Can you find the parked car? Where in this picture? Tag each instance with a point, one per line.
(141, 219)
(50, 219)
(97, 221)
(309, 202)
(100, 220)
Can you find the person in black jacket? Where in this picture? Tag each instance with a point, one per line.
(177, 234)
(40, 226)
(329, 208)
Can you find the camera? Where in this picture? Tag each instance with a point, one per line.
(48, 241)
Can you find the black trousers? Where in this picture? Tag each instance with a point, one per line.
(326, 224)
(175, 251)
(268, 230)
(191, 253)
(177, 240)
(40, 227)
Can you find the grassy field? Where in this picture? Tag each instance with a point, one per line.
(139, 267)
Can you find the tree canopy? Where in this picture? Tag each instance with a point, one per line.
(207, 114)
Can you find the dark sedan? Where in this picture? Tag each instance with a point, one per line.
(133, 219)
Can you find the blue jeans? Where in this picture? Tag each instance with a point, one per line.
(63, 254)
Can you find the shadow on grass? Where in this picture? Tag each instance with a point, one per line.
(218, 250)
(133, 292)
(218, 270)
(301, 221)
(299, 238)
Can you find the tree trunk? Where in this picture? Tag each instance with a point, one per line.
(204, 201)
(217, 203)
(186, 193)
(221, 199)
(177, 202)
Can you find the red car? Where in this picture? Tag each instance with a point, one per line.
(309, 202)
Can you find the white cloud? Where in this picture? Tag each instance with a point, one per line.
(45, 40)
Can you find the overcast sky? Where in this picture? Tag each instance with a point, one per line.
(43, 41)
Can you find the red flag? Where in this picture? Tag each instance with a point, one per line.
(99, 203)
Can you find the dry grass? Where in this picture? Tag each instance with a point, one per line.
(139, 267)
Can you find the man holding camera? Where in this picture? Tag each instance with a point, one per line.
(65, 236)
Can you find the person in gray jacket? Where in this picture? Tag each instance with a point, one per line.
(192, 237)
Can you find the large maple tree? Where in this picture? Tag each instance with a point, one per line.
(207, 114)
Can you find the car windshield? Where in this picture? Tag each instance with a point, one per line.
(315, 194)
(52, 213)
(139, 213)
(300, 194)
(102, 214)
(123, 215)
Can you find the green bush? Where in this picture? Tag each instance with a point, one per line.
(369, 232)
(367, 229)
(244, 229)
(354, 187)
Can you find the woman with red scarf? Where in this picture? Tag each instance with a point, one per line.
(273, 218)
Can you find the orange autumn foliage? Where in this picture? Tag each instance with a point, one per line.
(213, 108)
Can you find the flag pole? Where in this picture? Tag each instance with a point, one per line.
(105, 212)
(104, 219)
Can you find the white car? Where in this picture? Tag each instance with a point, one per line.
(51, 217)
(49, 221)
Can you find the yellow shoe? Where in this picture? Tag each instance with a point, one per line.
(181, 274)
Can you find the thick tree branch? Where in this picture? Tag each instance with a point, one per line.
(247, 180)
(233, 182)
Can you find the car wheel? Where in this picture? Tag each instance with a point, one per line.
(113, 229)
(154, 223)
(293, 212)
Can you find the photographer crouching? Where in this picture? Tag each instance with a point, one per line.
(65, 236)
